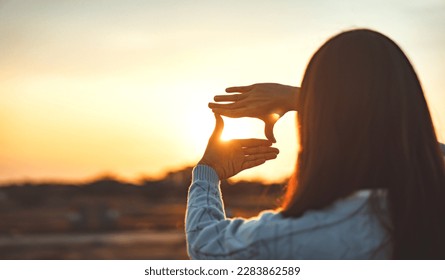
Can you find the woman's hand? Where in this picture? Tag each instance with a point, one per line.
(228, 158)
(266, 101)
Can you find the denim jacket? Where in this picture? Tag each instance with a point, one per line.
(347, 229)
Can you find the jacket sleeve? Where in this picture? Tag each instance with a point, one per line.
(210, 235)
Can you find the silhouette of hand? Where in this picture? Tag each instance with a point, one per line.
(228, 158)
(266, 101)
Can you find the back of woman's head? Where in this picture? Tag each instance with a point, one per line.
(364, 123)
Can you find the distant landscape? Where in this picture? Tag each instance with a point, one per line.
(110, 219)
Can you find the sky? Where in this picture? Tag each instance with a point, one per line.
(121, 87)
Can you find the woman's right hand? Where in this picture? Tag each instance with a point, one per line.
(265, 101)
(228, 158)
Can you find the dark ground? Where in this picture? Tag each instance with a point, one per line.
(108, 219)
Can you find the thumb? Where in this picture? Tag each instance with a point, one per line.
(219, 126)
(269, 122)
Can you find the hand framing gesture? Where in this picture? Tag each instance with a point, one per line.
(228, 158)
(265, 101)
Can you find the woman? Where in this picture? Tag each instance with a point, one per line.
(369, 182)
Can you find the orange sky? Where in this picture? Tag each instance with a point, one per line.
(93, 87)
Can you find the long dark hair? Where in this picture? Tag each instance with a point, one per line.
(363, 123)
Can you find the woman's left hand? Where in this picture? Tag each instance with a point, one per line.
(265, 101)
(228, 158)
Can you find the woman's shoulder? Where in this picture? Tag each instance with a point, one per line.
(356, 204)
(345, 229)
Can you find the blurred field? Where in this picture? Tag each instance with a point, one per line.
(108, 219)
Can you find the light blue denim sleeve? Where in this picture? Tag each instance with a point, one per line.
(210, 235)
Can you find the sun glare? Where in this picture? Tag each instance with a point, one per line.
(276, 116)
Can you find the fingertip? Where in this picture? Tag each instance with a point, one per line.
(217, 116)
(271, 139)
(270, 136)
(213, 105)
(219, 126)
(270, 156)
(275, 150)
(230, 89)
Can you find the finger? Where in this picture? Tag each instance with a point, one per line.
(269, 123)
(266, 156)
(219, 126)
(235, 105)
(236, 113)
(270, 156)
(239, 89)
(231, 113)
(268, 131)
(260, 150)
(229, 98)
(252, 142)
(250, 164)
